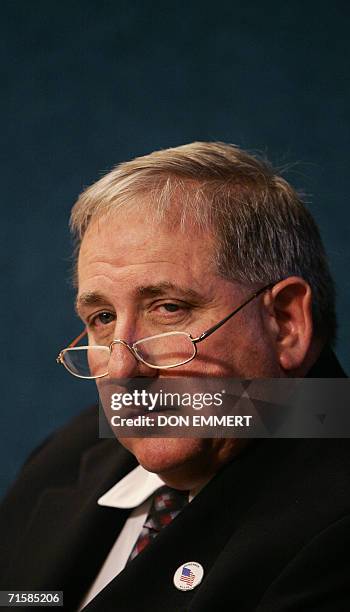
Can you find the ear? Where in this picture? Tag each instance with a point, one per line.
(290, 318)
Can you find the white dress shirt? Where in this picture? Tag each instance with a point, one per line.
(135, 490)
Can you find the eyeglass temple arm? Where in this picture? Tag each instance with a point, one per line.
(78, 338)
(211, 330)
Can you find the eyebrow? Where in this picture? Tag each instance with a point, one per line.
(160, 289)
(95, 298)
(90, 298)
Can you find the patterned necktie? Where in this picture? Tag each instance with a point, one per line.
(166, 504)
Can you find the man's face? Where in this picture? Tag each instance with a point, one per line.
(138, 280)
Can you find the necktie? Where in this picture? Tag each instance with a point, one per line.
(166, 505)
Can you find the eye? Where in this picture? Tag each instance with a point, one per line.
(101, 318)
(170, 311)
(170, 307)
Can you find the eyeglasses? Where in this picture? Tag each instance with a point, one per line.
(163, 351)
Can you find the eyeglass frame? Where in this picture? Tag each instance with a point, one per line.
(134, 352)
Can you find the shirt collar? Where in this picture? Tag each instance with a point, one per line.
(132, 490)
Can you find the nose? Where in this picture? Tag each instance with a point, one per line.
(124, 364)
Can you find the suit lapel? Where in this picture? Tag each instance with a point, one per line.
(70, 533)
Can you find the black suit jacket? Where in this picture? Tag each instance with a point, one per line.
(271, 530)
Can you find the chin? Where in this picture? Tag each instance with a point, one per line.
(164, 455)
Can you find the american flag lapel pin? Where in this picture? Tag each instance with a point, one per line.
(188, 576)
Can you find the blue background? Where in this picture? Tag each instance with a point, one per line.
(87, 84)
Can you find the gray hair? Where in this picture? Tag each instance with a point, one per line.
(263, 231)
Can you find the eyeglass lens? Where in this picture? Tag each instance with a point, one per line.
(162, 351)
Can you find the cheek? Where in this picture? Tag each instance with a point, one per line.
(254, 354)
(242, 352)
(217, 356)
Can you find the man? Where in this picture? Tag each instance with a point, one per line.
(174, 242)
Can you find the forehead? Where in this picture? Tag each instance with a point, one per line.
(129, 250)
